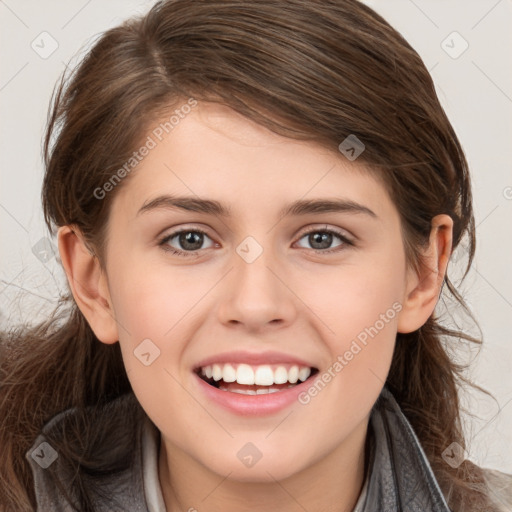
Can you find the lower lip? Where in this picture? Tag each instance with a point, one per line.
(253, 405)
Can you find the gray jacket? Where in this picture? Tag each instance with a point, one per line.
(400, 477)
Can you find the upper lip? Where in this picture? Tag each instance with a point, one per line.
(253, 358)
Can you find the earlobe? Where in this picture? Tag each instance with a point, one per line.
(88, 283)
(423, 288)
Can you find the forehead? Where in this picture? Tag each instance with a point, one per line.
(214, 152)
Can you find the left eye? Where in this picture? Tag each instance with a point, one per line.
(324, 238)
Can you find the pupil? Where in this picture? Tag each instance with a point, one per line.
(325, 239)
(188, 238)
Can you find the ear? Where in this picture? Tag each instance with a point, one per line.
(424, 287)
(88, 283)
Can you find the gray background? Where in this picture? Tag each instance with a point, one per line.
(474, 86)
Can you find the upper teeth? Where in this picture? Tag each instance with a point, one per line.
(264, 375)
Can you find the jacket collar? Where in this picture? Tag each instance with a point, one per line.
(400, 477)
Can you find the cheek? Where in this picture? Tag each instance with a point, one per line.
(150, 318)
(358, 318)
(354, 298)
(146, 310)
(150, 301)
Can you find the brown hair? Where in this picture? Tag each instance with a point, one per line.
(315, 70)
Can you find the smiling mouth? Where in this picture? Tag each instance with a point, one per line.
(254, 380)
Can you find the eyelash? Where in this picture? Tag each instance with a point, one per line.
(163, 242)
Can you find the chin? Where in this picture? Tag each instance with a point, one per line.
(267, 469)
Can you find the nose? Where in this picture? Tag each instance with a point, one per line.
(256, 294)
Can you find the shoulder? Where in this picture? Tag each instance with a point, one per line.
(492, 486)
(499, 487)
(90, 456)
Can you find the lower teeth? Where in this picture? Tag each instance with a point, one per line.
(262, 391)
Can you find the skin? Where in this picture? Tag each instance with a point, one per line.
(290, 299)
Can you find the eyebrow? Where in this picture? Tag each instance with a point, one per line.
(212, 207)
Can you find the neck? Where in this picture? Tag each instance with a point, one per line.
(331, 484)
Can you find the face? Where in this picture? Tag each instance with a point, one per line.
(251, 292)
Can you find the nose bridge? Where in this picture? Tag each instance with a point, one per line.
(254, 279)
(256, 295)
